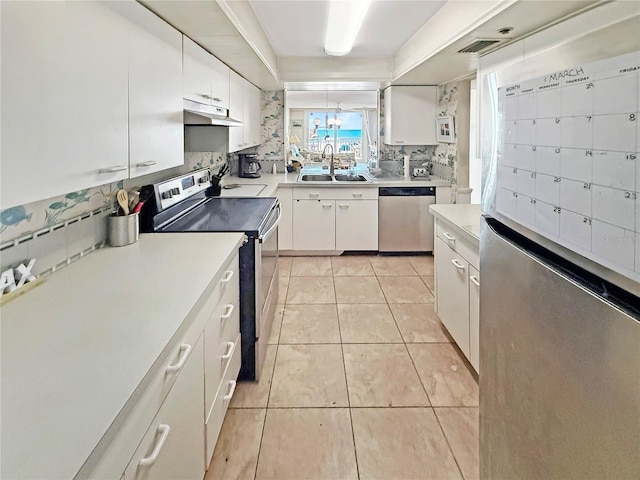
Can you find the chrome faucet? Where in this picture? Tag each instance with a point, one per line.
(324, 155)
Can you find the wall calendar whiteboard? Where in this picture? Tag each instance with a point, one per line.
(568, 159)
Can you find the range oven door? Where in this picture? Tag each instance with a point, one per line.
(266, 283)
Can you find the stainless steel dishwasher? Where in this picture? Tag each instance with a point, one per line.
(404, 221)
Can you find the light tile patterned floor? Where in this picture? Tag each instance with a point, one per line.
(360, 382)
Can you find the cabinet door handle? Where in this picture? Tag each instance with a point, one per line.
(399, 141)
(343, 205)
(357, 194)
(474, 279)
(230, 348)
(227, 276)
(117, 168)
(457, 264)
(186, 350)
(229, 395)
(150, 163)
(163, 430)
(313, 195)
(204, 95)
(216, 99)
(449, 237)
(326, 205)
(227, 313)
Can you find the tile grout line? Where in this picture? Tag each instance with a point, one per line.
(455, 459)
(346, 382)
(266, 410)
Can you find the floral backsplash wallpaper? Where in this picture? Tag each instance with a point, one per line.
(444, 156)
(272, 147)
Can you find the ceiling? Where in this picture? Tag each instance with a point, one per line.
(279, 44)
(297, 28)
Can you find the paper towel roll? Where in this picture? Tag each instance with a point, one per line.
(407, 167)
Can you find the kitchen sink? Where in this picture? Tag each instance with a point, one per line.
(325, 177)
(315, 178)
(349, 178)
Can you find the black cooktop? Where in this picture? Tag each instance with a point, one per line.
(225, 214)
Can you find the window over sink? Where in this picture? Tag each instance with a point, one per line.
(347, 120)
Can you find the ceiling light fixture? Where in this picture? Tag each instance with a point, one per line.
(345, 19)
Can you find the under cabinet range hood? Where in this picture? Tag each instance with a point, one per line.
(200, 114)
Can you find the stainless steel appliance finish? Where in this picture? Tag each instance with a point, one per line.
(181, 204)
(560, 356)
(200, 114)
(404, 221)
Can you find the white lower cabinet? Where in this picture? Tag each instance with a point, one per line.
(335, 218)
(222, 349)
(474, 318)
(314, 225)
(285, 227)
(453, 293)
(458, 289)
(356, 224)
(184, 403)
(173, 445)
(223, 397)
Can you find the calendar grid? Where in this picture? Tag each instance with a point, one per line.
(568, 159)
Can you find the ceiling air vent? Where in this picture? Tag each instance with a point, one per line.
(478, 45)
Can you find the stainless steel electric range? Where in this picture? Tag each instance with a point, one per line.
(181, 204)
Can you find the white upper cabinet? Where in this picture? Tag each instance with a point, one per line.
(253, 110)
(410, 115)
(245, 107)
(206, 79)
(64, 99)
(236, 111)
(156, 132)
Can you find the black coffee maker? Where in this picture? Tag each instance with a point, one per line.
(248, 165)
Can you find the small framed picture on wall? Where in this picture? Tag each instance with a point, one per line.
(444, 129)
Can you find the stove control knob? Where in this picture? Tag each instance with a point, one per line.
(166, 195)
(175, 191)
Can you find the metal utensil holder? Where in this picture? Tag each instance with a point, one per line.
(123, 230)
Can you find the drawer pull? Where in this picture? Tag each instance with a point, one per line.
(229, 395)
(474, 279)
(314, 195)
(150, 163)
(326, 205)
(186, 350)
(449, 237)
(457, 264)
(227, 276)
(117, 168)
(230, 348)
(357, 194)
(343, 205)
(163, 430)
(227, 314)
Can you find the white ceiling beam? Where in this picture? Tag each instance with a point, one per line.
(243, 17)
(455, 19)
(326, 69)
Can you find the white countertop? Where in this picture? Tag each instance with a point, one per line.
(465, 217)
(272, 182)
(74, 349)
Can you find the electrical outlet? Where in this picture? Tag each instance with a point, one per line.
(420, 171)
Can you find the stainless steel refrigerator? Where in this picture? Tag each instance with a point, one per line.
(560, 262)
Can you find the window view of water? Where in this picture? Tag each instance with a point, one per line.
(342, 130)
